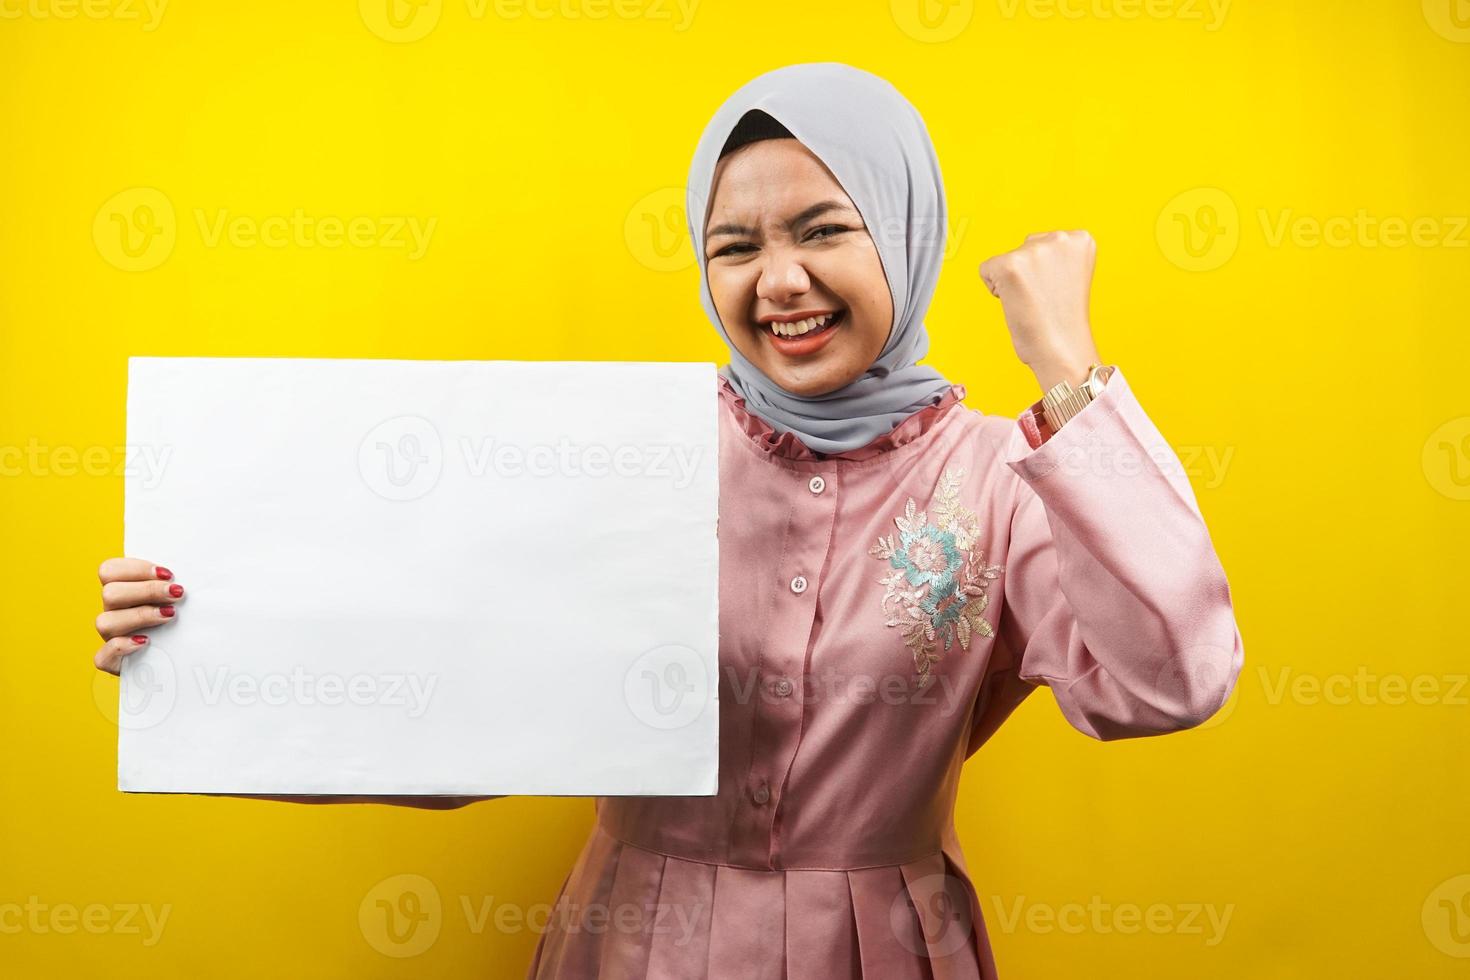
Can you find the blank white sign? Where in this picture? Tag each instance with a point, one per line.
(424, 577)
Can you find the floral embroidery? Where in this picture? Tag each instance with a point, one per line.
(939, 580)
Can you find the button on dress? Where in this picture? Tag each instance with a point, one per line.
(882, 612)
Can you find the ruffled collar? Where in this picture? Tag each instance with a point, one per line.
(789, 446)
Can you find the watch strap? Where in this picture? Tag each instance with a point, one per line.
(1048, 414)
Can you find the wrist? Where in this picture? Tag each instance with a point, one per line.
(1051, 373)
(1061, 403)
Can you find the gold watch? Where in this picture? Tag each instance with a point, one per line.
(1063, 401)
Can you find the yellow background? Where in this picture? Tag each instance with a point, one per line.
(1326, 377)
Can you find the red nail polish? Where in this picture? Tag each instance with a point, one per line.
(162, 572)
(167, 611)
(175, 590)
(140, 639)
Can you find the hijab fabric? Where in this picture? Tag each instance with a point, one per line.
(875, 143)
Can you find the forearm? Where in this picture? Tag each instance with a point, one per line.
(1118, 600)
(1073, 368)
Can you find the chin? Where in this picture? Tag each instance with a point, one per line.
(812, 385)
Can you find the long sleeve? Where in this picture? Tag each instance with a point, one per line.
(1114, 597)
(1034, 426)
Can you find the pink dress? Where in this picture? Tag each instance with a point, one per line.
(882, 612)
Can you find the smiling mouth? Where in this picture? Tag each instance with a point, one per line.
(819, 332)
(803, 328)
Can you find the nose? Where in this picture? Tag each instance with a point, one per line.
(782, 277)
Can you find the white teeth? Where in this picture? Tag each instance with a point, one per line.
(800, 326)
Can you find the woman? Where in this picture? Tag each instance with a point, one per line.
(897, 571)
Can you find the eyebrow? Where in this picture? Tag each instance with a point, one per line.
(820, 208)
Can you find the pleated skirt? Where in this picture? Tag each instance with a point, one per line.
(626, 912)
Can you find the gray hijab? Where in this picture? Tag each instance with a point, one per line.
(876, 145)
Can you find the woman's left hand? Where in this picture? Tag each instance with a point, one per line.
(1044, 288)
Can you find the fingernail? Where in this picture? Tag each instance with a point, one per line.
(162, 572)
(175, 590)
(140, 639)
(167, 611)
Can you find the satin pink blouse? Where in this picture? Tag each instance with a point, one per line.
(882, 612)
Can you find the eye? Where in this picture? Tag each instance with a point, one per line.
(832, 231)
(819, 234)
(730, 249)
